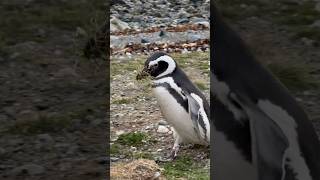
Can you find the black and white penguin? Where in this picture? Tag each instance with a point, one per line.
(259, 130)
(182, 104)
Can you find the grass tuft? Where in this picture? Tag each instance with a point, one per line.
(132, 139)
(294, 77)
(184, 167)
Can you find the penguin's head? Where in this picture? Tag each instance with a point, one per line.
(157, 65)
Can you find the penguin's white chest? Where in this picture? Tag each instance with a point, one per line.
(176, 115)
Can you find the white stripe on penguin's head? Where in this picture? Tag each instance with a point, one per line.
(171, 64)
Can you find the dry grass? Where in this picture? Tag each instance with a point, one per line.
(136, 170)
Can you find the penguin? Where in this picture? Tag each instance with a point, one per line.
(259, 130)
(182, 104)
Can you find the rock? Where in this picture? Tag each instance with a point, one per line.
(162, 129)
(118, 133)
(30, 169)
(182, 21)
(205, 24)
(133, 149)
(144, 40)
(162, 33)
(183, 14)
(113, 28)
(118, 24)
(193, 37)
(114, 159)
(162, 122)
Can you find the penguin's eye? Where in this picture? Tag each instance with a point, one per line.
(156, 65)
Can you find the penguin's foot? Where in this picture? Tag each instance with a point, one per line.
(174, 152)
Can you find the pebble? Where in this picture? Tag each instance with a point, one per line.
(162, 129)
(133, 149)
(162, 122)
(114, 159)
(118, 133)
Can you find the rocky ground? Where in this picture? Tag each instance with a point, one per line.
(52, 100)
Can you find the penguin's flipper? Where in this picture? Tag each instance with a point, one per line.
(197, 114)
(269, 143)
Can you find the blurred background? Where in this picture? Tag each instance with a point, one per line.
(284, 36)
(52, 98)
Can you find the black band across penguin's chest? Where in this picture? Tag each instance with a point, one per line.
(177, 96)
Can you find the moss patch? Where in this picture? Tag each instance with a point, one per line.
(132, 138)
(184, 167)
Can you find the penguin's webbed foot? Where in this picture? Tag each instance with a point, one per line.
(174, 152)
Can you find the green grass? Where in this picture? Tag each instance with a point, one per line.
(198, 60)
(41, 125)
(115, 149)
(142, 155)
(132, 139)
(294, 77)
(185, 167)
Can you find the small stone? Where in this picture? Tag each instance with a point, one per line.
(162, 33)
(144, 40)
(114, 159)
(118, 24)
(156, 175)
(205, 24)
(162, 129)
(182, 21)
(118, 133)
(162, 122)
(133, 149)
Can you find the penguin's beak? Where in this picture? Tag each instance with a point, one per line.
(143, 74)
